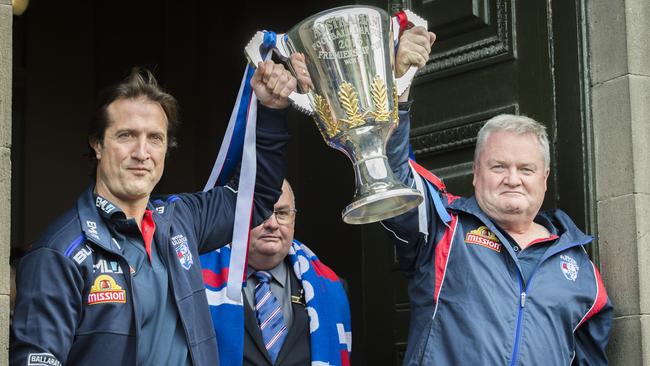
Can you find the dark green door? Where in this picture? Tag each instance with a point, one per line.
(491, 57)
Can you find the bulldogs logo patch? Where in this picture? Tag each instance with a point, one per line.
(182, 251)
(484, 237)
(105, 290)
(569, 267)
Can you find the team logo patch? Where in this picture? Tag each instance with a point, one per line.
(42, 359)
(569, 267)
(182, 251)
(105, 290)
(484, 237)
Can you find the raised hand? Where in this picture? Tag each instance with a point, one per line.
(272, 84)
(414, 48)
(302, 74)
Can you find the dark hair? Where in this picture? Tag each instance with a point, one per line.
(140, 83)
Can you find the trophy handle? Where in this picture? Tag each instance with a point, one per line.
(253, 52)
(399, 23)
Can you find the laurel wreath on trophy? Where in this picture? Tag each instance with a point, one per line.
(322, 108)
(379, 99)
(349, 101)
(395, 114)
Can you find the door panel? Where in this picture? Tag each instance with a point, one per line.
(471, 34)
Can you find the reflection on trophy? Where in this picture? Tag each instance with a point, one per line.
(347, 84)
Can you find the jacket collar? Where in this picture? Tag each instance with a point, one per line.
(93, 211)
(560, 224)
(92, 224)
(570, 235)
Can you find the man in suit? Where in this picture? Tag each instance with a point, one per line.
(295, 309)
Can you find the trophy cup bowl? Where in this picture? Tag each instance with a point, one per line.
(352, 95)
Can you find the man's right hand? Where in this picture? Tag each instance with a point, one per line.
(299, 64)
(272, 84)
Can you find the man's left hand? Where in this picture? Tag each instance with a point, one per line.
(414, 48)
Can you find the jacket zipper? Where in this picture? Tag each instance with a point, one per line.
(133, 305)
(523, 294)
(520, 315)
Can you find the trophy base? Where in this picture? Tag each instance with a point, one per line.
(381, 206)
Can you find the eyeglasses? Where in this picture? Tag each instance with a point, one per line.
(284, 216)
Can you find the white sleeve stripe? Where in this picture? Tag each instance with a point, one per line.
(595, 298)
(444, 273)
(422, 208)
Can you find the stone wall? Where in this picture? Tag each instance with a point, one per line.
(6, 19)
(619, 45)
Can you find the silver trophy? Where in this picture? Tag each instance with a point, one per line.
(352, 94)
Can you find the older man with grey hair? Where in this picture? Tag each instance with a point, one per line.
(492, 280)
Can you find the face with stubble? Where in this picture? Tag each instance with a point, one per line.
(131, 156)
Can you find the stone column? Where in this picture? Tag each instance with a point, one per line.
(6, 19)
(619, 44)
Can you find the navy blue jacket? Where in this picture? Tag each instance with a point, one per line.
(75, 303)
(470, 304)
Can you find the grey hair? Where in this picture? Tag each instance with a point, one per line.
(519, 125)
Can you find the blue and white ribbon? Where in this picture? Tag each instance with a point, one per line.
(397, 31)
(239, 145)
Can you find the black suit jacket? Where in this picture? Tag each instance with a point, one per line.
(296, 350)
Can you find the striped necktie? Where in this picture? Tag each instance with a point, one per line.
(269, 315)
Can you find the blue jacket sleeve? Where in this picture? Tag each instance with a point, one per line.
(404, 229)
(213, 211)
(592, 337)
(48, 307)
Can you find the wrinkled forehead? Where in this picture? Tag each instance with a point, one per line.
(136, 112)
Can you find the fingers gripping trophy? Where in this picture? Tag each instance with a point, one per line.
(343, 59)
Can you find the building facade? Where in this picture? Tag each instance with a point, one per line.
(582, 67)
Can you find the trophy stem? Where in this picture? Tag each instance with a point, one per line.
(378, 194)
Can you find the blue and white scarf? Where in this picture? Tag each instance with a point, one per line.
(327, 307)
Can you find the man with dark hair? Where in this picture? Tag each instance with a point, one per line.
(294, 309)
(115, 280)
(492, 280)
